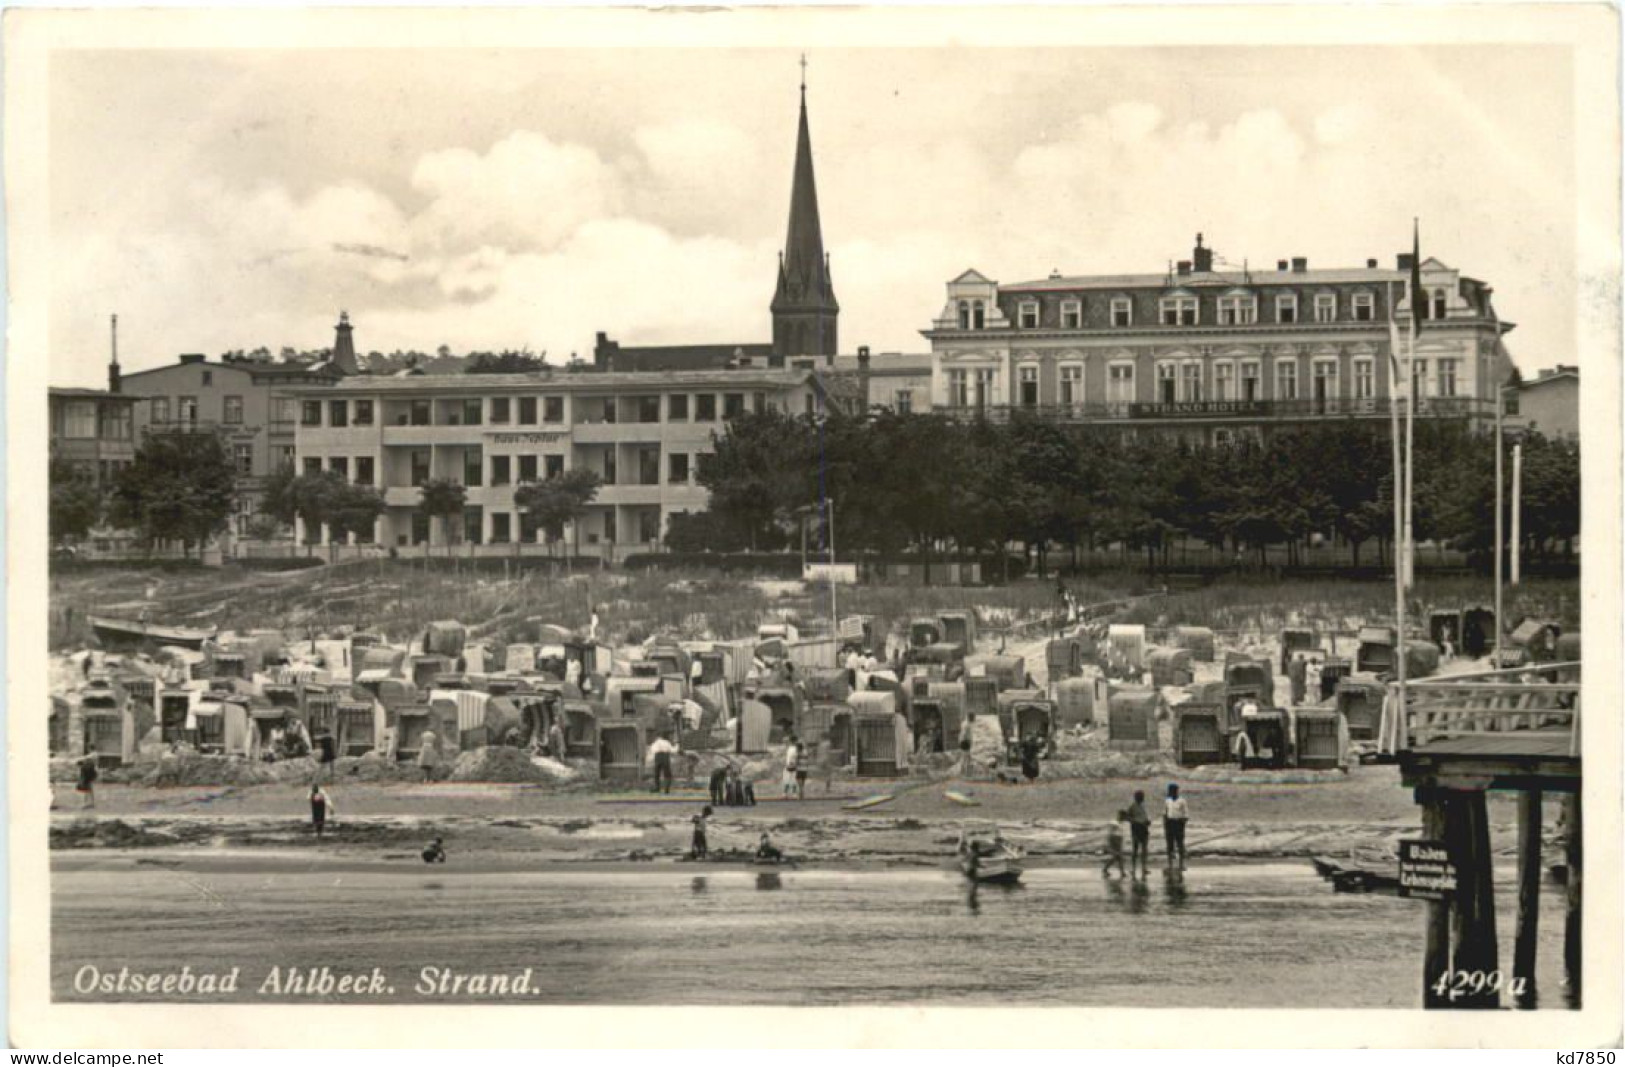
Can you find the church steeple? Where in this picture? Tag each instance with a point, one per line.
(804, 306)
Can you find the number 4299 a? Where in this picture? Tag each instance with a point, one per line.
(1457, 984)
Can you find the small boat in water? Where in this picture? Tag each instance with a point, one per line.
(134, 633)
(1365, 874)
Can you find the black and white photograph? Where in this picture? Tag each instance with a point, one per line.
(969, 509)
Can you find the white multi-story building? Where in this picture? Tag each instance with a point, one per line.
(642, 432)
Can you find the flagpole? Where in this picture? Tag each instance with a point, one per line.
(1396, 727)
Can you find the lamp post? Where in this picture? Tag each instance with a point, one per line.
(834, 617)
(1500, 518)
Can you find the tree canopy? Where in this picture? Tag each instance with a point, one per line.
(180, 487)
(76, 505)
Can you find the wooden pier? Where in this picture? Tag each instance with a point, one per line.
(1459, 737)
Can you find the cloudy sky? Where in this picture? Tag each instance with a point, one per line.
(530, 197)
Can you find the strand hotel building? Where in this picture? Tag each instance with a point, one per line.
(1211, 353)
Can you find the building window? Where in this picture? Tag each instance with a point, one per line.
(1028, 315)
(338, 414)
(160, 409)
(733, 405)
(1325, 307)
(232, 411)
(527, 469)
(552, 409)
(473, 525)
(285, 409)
(244, 456)
(982, 386)
(1120, 383)
(648, 409)
(1122, 311)
(116, 423)
(1365, 307)
(1324, 385)
(1028, 380)
(208, 378)
(473, 467)
(978, 317)
(420, 468)
(499, 410)
(1071, 315)
(363, 413)
(1436, 304)
(285, 454)
(1365, 384)
(339, 465)
(422, 413)
(1072, 384)
(1286, 379)
(80, 419)
(1447, 376)
(758, 402)
(1179, 311)
(527, 411)
(311, 413)
(1224, 381)
(187, 409)
(677, 468)
(1190, 383)
(363, 470)
(705, 407)
(1251, 389)
(1167, 383)
(500, 470)
(471, 412)
(903, 401)
(499, 527)
(313, 464)
(677, 407)
(1286, 307)
(553, 466)
(1237, 310)
(958, 388)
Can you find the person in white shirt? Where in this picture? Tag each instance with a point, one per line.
(660, 754)
(1311, 681)
(1174, 814)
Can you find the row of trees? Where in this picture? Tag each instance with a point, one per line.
(183, 487)
(925, 482)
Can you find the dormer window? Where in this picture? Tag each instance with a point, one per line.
(1365, 307)
(1071, 314)
(1122, 311)
(1178, 311)
(1436, 304)
(1237, 309)
(1286, 307)
(1325, 307)
(1027, 315)
(964, 314)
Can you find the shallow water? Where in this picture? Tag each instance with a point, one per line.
(1245, 935)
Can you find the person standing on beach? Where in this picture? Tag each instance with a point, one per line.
(697, 848)
(1114, 846)
(1139, 825)
(555, 739)
(86, 787)
(660, 755)
(1174, 814)
(321, 806)
(793, 775)
(427, 753)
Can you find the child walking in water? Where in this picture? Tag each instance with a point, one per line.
(697, 850)
(1114, 846)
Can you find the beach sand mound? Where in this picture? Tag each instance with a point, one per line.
(106, 833)
(1232, 774)
(502, 763)
(190, 768)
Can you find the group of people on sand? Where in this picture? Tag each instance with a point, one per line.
(1175, 815)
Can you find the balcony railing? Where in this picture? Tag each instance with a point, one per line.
(1236, 410)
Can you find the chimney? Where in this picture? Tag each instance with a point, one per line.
(1203, 257)
(192, 357)
(115, 380)
(1281, 264)
(1299, 264)
(863, 379)
(1404, 260)
(1370, 264)
(1184, 267)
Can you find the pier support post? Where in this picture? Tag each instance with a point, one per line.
(1571, 920)
(1529, 870)
(1436, 951)
(1473, 931)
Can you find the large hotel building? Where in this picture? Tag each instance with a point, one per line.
(1211, 352)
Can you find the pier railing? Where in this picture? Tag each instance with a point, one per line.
(1544, 698)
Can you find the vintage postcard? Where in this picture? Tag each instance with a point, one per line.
(868, 526)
